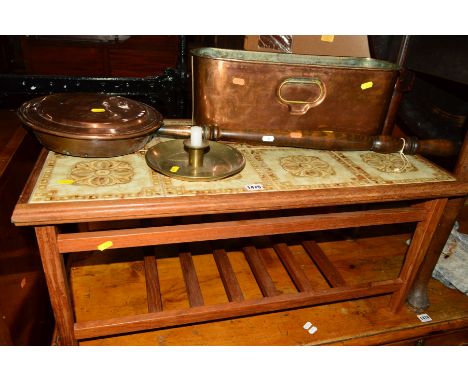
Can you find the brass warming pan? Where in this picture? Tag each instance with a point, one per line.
(90, 124)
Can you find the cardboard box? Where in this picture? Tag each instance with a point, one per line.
(324, 45)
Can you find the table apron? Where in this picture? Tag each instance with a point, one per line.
(137, 237)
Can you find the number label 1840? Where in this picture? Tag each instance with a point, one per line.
(254, 187)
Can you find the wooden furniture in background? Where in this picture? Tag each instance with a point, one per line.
(151, 69)
(125, 56)
(25, 313)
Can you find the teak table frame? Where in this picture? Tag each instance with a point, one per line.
(425, 207)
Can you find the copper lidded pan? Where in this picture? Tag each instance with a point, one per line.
(90, 124)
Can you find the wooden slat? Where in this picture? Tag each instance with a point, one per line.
(297, 275)
(191, 280)
(153, 290)
(258, 268)
(89, 329)
(228, 277)
(324, 264)
(85, 241)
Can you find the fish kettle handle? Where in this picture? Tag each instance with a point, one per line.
(301, 106)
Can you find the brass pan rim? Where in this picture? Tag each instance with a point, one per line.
(170, 158)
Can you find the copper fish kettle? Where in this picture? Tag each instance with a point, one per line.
(236, 89)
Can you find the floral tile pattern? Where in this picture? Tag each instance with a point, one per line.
(394, 168)
(65, 178)
(101, 172)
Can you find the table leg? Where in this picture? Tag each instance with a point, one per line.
(416, 252)
(55, 274)
(418, 297)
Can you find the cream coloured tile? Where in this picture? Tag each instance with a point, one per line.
(66, 178)
(294, 168)
(396, 169)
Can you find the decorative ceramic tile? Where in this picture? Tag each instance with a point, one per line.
(294, 169)
(395, 168)
(66, 178)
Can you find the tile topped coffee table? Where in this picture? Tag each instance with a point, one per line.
(292, 184)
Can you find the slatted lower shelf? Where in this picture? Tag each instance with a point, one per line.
(99, 328)
(238, 306)
(304, 291)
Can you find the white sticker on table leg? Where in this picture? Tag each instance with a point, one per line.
(313, 329)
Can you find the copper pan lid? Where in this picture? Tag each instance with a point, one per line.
(89, 116)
